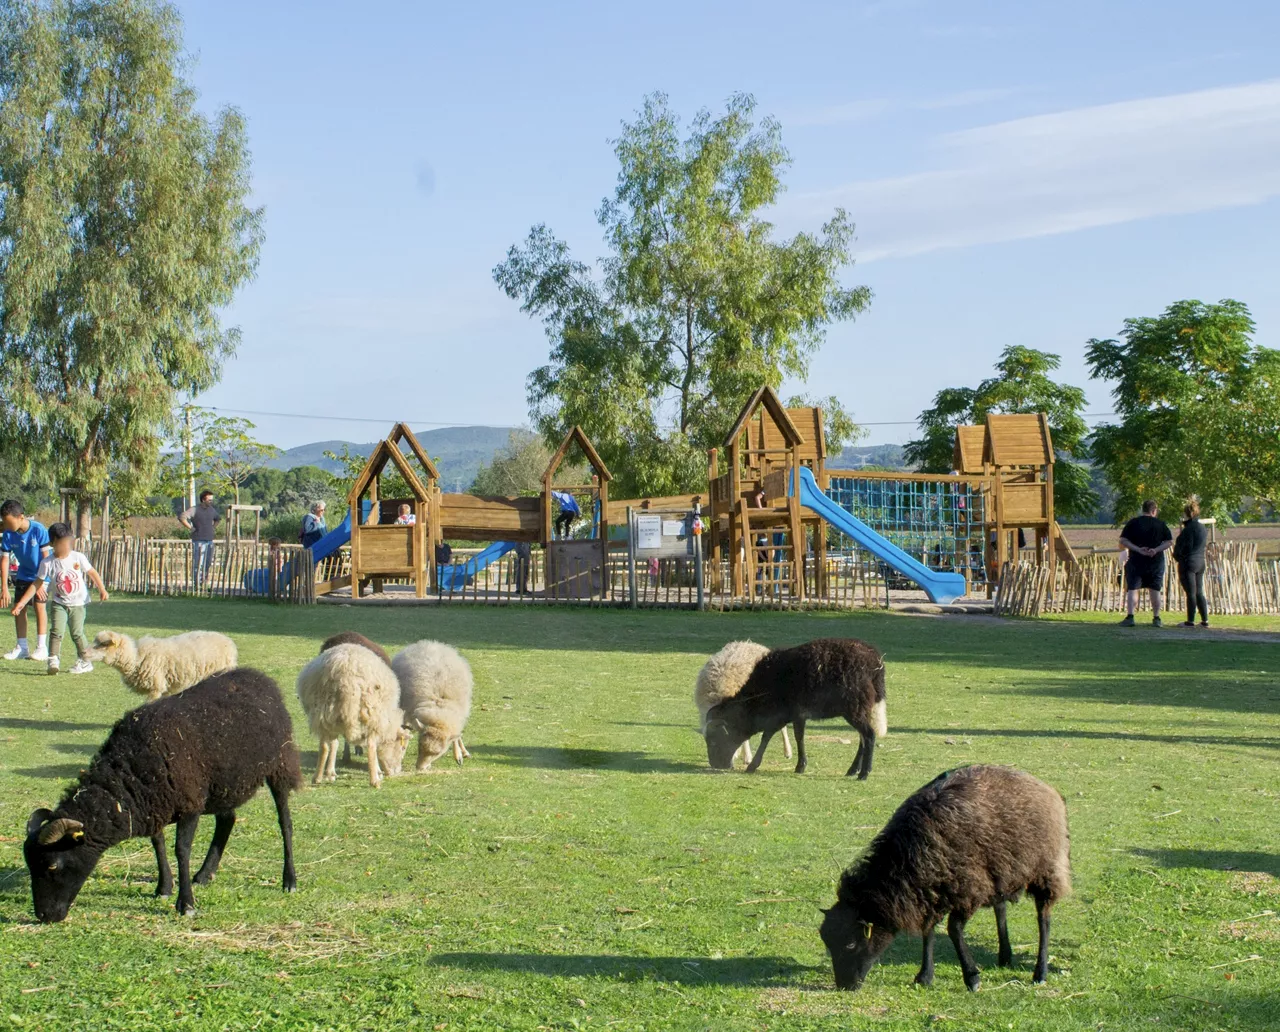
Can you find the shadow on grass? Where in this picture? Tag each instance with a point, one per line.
(14, 882)
(1119, 736)
(757, 971)
(22, 724)
(570, 758)
(1215, 860)
(53, 771)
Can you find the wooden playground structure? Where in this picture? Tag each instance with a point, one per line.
(763, 538)
(384, 548)
(757, 536)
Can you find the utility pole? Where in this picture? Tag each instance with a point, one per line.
(191, 471)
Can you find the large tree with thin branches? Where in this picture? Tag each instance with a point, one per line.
(695, 305)
(124, 230)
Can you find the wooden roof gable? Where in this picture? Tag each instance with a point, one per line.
(967, 456)
(401, 432)
(769, 399)
(588, 449)
(1017, 440)
(386, 452)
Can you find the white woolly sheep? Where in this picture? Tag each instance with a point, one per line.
(435, 692)
(722, 677)
(348, 692)
(156, 667)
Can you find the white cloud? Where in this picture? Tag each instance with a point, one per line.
(877, 107)
(1073, 170)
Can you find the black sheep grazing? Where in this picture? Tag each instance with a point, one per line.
(825, 678)
(971, 838)
(206, 750)
(354, 638)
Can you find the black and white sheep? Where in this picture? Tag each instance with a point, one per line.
(206, 750)
(435, 693)
(156, 667)
(825, 678)
(971, 838)
(722, 677)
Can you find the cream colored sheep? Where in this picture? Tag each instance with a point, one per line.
(435, 692)
(722, 677)
(348, 692)
(156, 667)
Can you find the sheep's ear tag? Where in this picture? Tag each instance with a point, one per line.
(867, 931)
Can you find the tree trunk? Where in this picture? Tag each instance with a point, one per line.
(84, 517)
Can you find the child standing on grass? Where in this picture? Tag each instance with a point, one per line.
(23, 545)
(66, 570)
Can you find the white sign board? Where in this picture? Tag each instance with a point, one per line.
(673, 528)
(648, 532)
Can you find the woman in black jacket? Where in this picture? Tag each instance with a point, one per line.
(1189, 553)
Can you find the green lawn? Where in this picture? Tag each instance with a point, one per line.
(585, 870)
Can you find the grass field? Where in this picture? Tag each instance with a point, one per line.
(585, 870)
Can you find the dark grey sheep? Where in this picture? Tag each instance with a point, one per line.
(971, 838)
(206, 750)
(825, 678)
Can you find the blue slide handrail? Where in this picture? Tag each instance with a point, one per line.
(943, 588)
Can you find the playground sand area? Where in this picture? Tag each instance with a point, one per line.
(585, 869)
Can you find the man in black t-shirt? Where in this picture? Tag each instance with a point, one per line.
(1146, 539)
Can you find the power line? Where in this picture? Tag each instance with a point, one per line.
(326, 418)
(351, 419)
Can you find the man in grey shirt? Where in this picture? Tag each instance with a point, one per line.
(200, 520)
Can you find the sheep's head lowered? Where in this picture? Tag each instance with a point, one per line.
(726, 729)
(391, 754)
(854, 943)
(59, 860)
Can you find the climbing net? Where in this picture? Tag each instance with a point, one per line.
(940, 522)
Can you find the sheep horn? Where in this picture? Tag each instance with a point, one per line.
(54, 831)
(37, 819)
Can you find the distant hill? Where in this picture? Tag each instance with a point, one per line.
(458, 450)
(889, 455)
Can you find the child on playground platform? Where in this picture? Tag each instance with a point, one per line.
(406, 517)
(24, 543)
(63, 575)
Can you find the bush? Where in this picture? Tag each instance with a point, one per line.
(286, 526)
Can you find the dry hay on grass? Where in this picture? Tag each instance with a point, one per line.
(1256, 883)
(1265, 928)
(817, 1003)
(295, 942)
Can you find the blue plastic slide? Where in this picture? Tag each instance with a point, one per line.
(455, 576)
(258, 581)
(943, 588)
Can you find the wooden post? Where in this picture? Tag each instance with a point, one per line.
(604, 539)
(739, 534)
(796, 531)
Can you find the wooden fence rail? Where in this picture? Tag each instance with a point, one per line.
(1236, 582)
(166, 566)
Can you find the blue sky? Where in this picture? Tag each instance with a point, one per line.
(1019, 174)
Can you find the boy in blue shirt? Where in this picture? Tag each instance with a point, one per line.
(25, 542)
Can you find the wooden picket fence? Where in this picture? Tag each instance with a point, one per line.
(1235, 582)
(166, 566)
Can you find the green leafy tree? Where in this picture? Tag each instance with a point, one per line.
(124, 230)
(1199, 408)
(226, 453)
(1021, 384)
(518, 467)
(695, 305)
